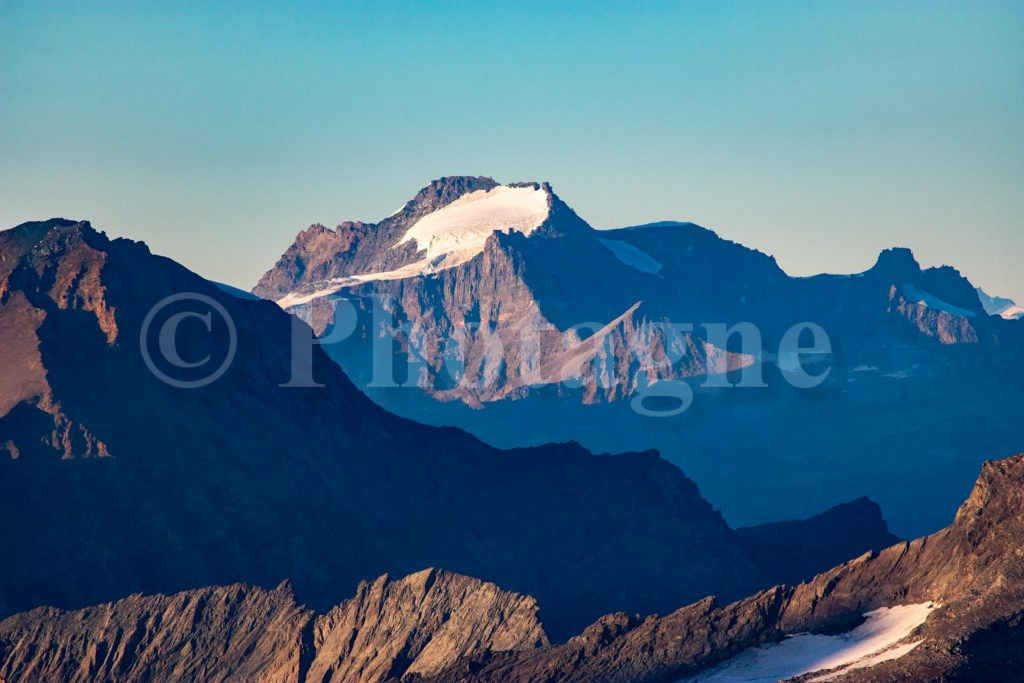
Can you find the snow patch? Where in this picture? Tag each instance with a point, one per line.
(298, 298)
(457, 232)
(875, 641)
(632, 256)
(922, 298)
(1012, 313)
(451, 235)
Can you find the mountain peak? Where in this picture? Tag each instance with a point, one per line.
(27, 235)
(443, 191)
(897, 261)
(44, 239)
(1001, 306)
(996, 499)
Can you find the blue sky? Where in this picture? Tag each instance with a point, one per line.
(818, 132)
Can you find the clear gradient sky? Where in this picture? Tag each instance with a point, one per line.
(817, 132)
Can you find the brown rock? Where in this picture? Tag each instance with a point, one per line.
(420, 623)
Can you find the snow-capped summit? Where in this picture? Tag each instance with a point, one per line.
(457, 232)
(445, 225)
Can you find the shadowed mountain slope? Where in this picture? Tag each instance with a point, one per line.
(115, 482)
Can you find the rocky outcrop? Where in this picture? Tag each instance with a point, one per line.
(389, 629)
(420, 625)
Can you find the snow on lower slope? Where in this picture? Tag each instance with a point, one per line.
(875, 641)
(922, 298)
(297, 298)
(457, 232)
(1012, 313)
(632, 256)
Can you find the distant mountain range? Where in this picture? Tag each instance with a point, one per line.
(508, 309)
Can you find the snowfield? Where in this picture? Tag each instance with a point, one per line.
(922, 298)
(875, 641)
(456, 233)
(297, 299)
(452, 235)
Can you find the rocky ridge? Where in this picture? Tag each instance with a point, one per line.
(550, 292)
(389, 629)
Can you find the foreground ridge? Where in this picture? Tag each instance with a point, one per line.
(966, 579)
(390, 628)
(954, 602)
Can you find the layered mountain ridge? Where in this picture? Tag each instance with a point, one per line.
(725, 282)
(122, 483)
(139, 496)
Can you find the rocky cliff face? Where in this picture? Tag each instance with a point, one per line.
(388, 630)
